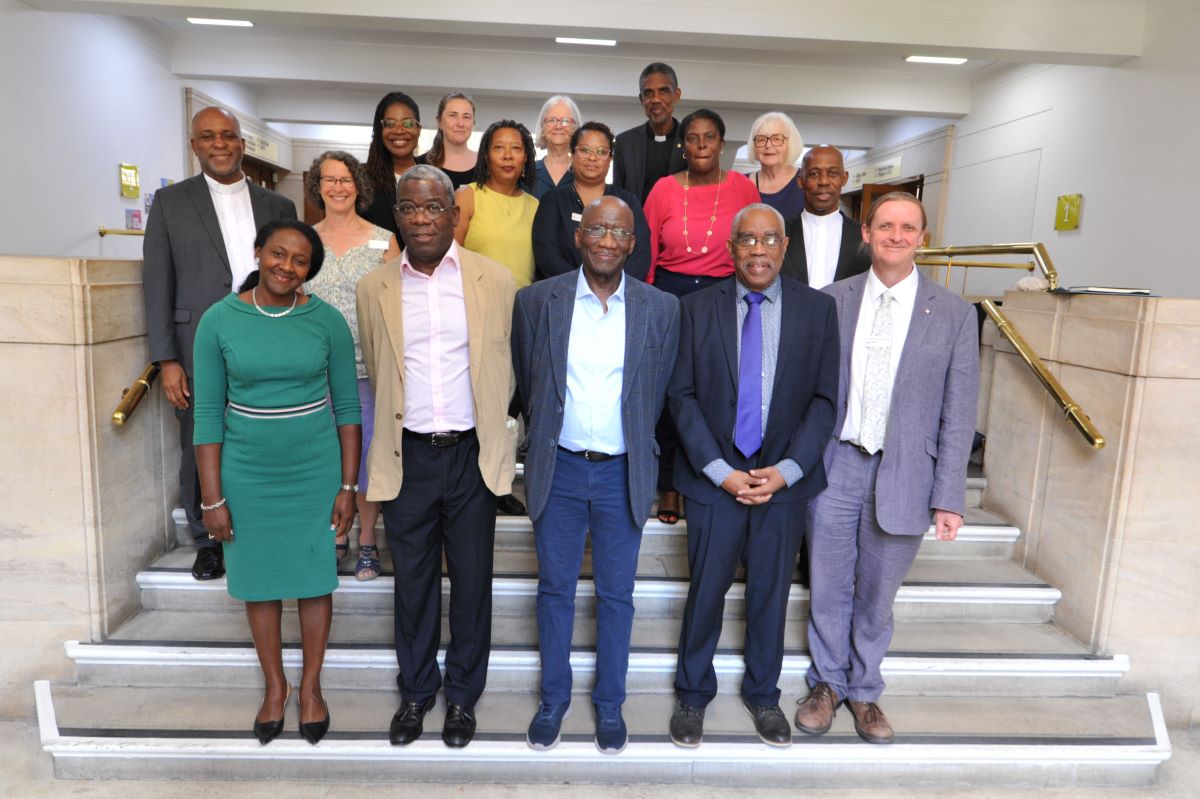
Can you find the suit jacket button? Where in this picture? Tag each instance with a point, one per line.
(399, 415)
(396, 453)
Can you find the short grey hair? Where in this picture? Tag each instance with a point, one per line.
(737, 220)
(795, 144)
(540, 141)
(430, 173)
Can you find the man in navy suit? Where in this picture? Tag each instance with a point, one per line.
(909, 378)
(593, 353)
(752, 396)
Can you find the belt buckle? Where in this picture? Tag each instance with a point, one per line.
(447, 439)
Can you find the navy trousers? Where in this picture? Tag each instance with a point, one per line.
(586, 496)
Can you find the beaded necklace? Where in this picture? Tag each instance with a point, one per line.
(712, 220)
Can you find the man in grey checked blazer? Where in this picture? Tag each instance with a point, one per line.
(909, 378)
(593, 352)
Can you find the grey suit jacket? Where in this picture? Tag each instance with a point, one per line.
(185, 266)
(853, 259)
(931, 422)
(540, 333)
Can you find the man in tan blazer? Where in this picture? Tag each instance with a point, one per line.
(434, 326)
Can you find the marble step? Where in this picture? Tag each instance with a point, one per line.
(203, 733)
(983, 590)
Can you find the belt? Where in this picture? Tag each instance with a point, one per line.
(447, 439)
(590, 455)
(860, 448)
(278, 413)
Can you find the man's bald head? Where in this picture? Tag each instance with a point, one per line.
(218, 144)
(823, 176)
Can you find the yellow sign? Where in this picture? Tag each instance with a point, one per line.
(1066, 215)
(131, 187)
(262, 147)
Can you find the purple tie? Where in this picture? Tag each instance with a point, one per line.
(747, 434)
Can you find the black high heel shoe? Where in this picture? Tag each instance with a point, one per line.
(314, 731)
(267, 731)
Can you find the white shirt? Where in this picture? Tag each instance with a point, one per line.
(905, 294)
(437, 360)
(595, 373)
(822, 246)
(236, 218)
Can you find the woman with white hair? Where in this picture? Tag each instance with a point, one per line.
(776, 145)
(557, 121)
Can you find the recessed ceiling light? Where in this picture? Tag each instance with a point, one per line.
(597, 42)
(229, 23)
(934, 59)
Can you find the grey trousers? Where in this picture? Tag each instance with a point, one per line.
(856, 570)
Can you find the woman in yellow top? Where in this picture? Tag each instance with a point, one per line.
(496, 209)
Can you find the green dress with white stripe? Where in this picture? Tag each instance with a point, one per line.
(260, 390)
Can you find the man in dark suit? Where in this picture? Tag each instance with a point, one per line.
(909, 377)
(199, 246)
(752, 396)
(824, 245)
(593, 353)
(653, 150)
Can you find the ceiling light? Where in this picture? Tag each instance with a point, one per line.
(229, 23)
(934, 59)
(597, 42)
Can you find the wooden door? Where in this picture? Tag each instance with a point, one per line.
(861, 201)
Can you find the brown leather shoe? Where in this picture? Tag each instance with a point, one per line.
(816, 711)
(870, 723)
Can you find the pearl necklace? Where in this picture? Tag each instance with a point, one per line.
(712, 220)
(254, 296)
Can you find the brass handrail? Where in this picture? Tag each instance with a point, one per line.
(1041, 259)
(1074, 413)
(116, 231)
(131, 396)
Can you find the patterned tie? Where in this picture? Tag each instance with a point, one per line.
(877, 390)
(747, 434)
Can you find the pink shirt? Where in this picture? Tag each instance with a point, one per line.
(437, 373)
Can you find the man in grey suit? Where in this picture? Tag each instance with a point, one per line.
(905, 420)
(593, 353)
(199, 246)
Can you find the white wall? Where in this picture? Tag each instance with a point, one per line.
(1122, 136)
(81, 94)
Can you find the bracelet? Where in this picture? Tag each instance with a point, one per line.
(353, 489)
(213, 506)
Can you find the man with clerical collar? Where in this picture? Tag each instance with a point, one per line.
(651, 151)
(753, 398)
(593, 352)
(825, 245)
(909, 377)
(199, 246)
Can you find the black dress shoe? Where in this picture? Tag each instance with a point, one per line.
(687, 725)
(267, 731)
(770, 724)
(459, 728)
(314, 731)
(209, 563)
(409, 721)
(509, 505)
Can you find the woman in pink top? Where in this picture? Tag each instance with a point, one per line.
(690, 215)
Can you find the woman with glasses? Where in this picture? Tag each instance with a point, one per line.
(557, 122)
(394, 135)
(560, 209)
(776, 145)
(691, 215)
(337, 184)
(449, 153)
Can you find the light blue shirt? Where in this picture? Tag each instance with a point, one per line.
(595, 373)
(771, 310)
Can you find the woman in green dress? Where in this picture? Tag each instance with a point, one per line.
(275, 466)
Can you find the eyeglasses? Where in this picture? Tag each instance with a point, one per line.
(748, 240)
(586, 151)
(329, 181)
(558, 122)
(408, 123)
(600, 231)
(433, 210)
(776, 139)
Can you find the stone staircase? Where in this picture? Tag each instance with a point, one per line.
(982, 688)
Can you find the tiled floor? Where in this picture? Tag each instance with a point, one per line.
(26, 772)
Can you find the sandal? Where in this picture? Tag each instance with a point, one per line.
(368, 566)
(341, 550)
(669, 515)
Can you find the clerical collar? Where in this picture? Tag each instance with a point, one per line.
(237, 187)
(819, 219)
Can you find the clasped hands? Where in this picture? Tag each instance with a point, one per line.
(755, 487)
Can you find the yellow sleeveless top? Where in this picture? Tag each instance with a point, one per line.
(502, 229)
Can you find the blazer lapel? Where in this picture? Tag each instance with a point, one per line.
(851, 240)
(789, 330)
(726, 313)
(258, 205)
(848, 309)
(472, 280)
(560, 309)
(918, 324)
(391, 302)
(635, 336)
(202, 200)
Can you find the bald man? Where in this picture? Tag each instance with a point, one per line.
(824, 245)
